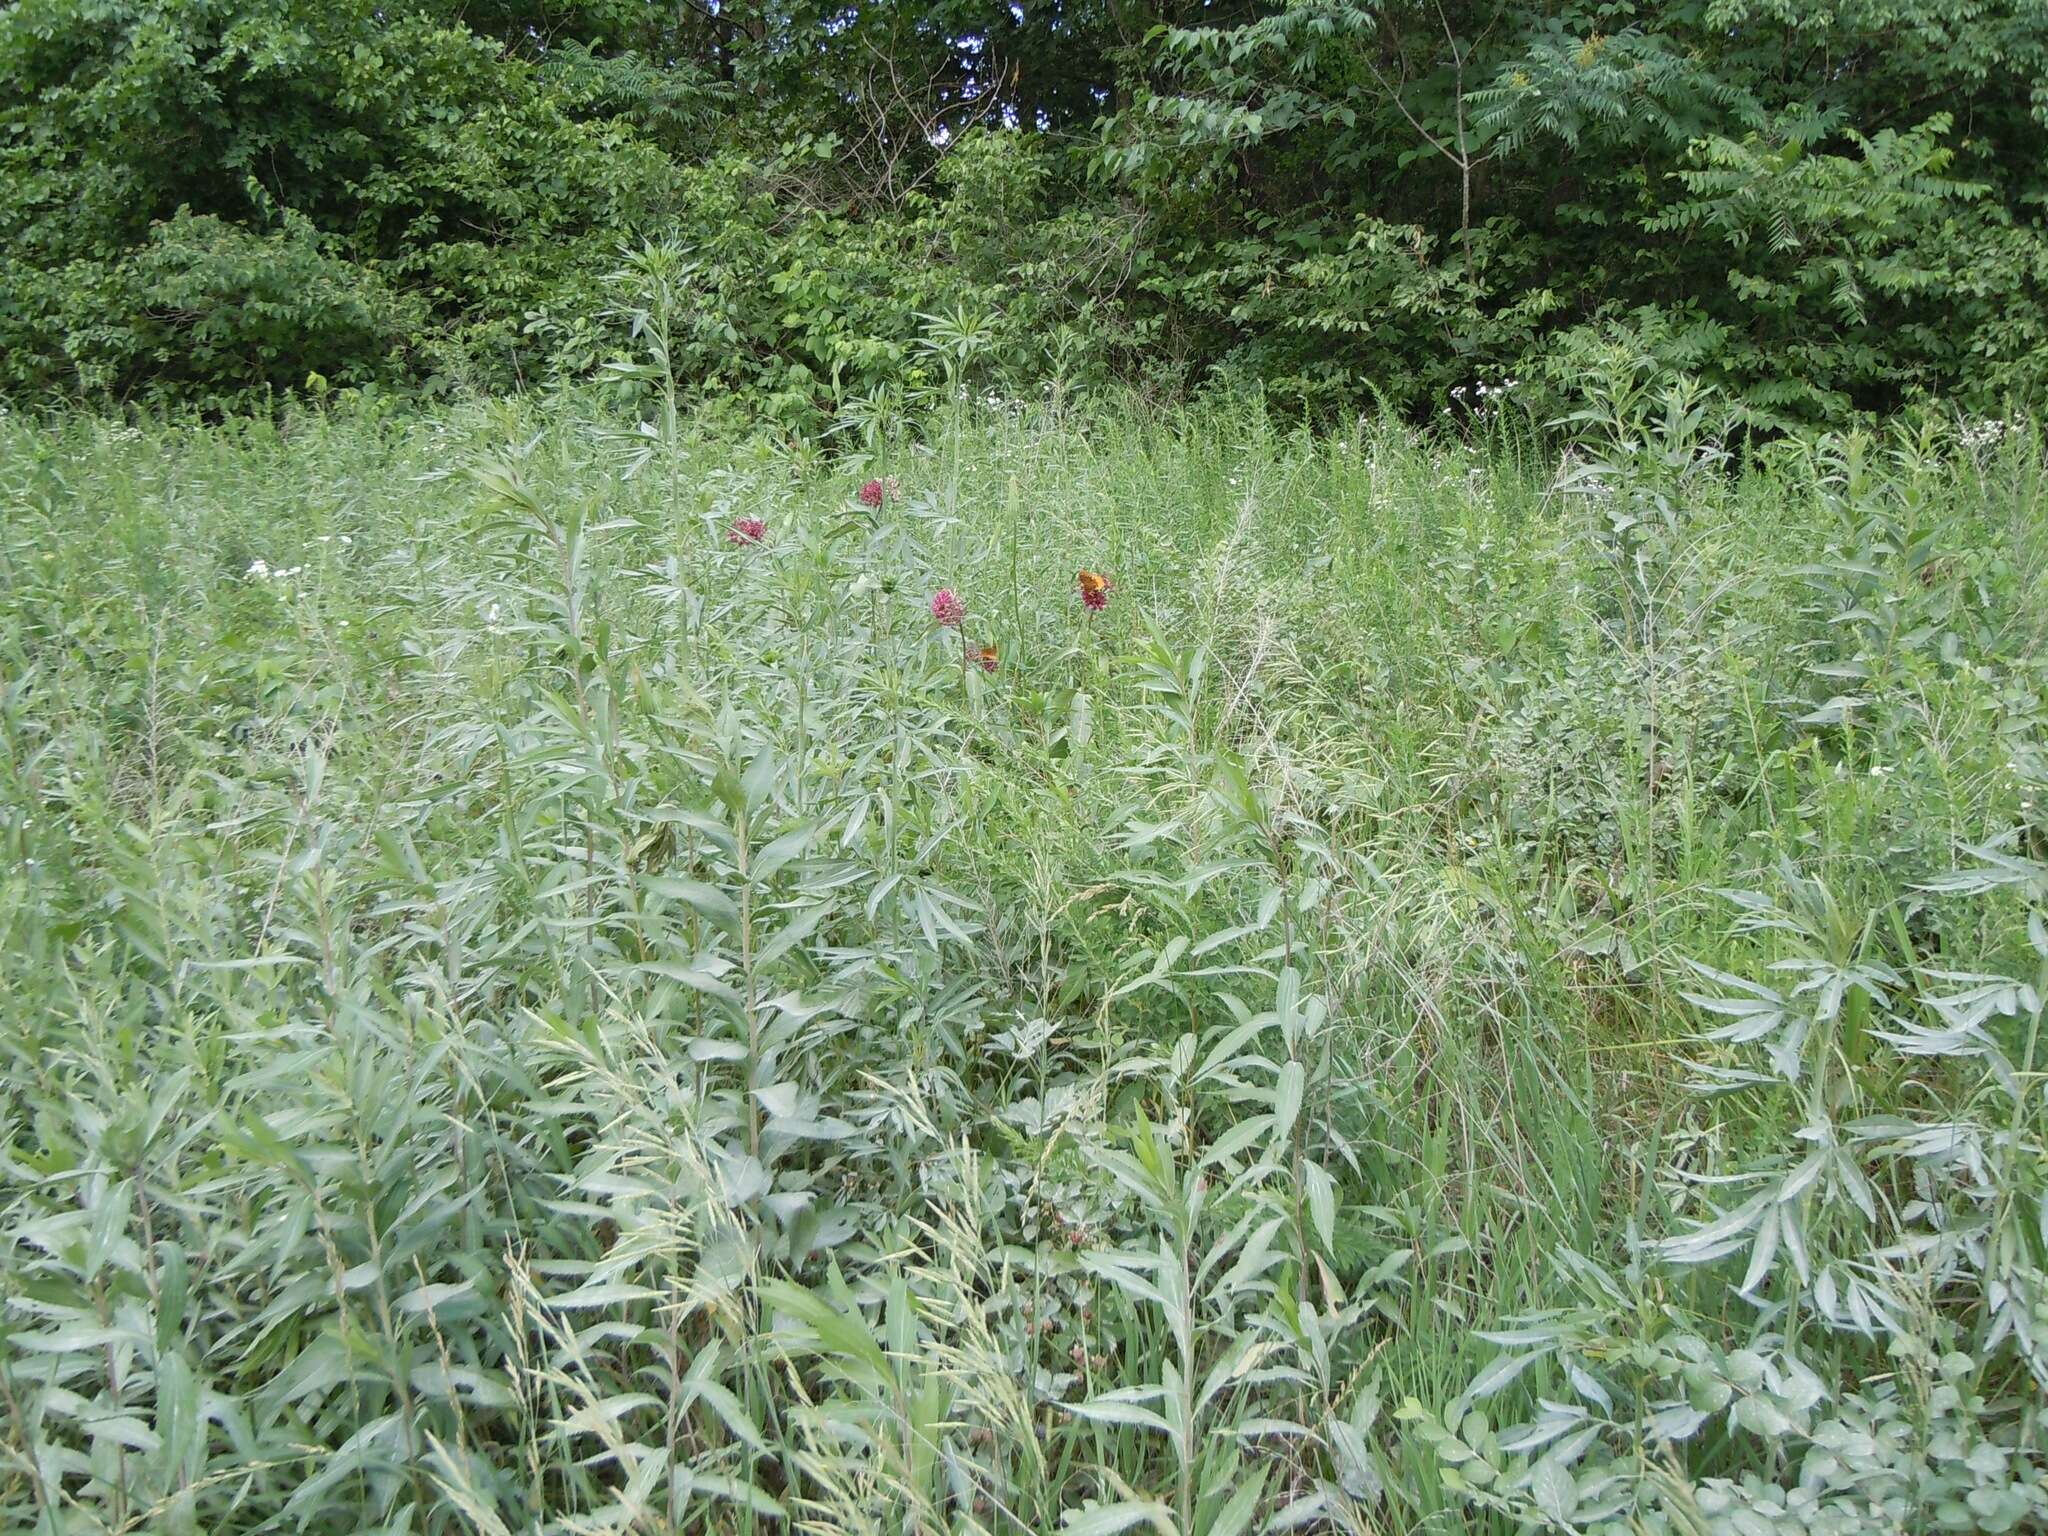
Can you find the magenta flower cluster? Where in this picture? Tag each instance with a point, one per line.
(948, 610)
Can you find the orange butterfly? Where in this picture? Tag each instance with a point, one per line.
(1094, 589)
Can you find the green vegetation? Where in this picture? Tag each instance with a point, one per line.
(1822, 209)
(1002, 769)
(524, 1011)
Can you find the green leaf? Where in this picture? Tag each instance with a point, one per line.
(789, 845)
(1108, 1519)
(734, 1490)
(757, 781)
(1554, 1490)
(1235, 1517)
(1080, 724)
(1322, 1202)
(1105, 1410)
(1501, 1372)
(602, 1294)
(1287, 1094)
(429, 1298)
(706, 900)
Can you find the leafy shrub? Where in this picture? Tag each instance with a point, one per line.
(798, 315)
(195, 192)
(1823, 213)
(1394, 200)
(208, 310)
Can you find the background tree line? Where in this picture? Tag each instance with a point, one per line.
(1819, 207)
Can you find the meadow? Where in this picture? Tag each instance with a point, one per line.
(551, 982)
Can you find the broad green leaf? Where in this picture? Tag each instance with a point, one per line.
(1500, 1372)
(1322, 1202)
(1108, 1519)
(706, 900)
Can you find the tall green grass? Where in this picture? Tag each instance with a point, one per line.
(519, 1013)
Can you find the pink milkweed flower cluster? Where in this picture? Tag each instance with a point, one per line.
(748, 530)
(1094, 591)
(947, 608)
(876, 492)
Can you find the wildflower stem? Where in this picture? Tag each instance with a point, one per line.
(746, 883)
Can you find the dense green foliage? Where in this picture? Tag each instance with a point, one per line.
(523, 1011)
(571, 962)
(1820, 208)
(209, 197)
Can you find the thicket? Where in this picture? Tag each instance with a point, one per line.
(557, 978)
(1820, 209)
